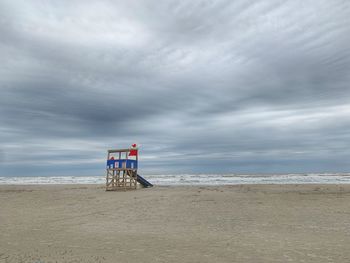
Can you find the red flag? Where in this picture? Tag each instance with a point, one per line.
(133, 153)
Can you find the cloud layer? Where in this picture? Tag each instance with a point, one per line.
(203, 86)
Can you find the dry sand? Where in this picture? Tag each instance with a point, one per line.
(256, 223)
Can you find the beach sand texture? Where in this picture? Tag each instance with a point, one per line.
(250, 223)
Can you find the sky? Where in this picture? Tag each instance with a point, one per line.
(202, 86)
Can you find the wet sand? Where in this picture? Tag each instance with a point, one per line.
(252, 223)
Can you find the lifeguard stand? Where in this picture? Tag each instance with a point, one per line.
(122, 169)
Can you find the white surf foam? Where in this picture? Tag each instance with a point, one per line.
(194, 179)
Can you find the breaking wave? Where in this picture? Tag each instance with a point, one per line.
(195, 179)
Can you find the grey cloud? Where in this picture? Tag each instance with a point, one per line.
(205, 86)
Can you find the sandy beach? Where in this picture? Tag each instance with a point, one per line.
(251, 223)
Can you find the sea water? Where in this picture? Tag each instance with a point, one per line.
(195, 179)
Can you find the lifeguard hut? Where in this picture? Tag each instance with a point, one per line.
(122, 167)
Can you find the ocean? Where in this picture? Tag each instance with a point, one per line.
(195, 179)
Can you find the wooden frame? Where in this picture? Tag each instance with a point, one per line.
(122, 177)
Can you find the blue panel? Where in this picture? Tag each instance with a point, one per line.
(119, 163)
(110, 163)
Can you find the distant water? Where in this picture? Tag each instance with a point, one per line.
(195, 179)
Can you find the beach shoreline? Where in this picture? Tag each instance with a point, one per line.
(232, 223)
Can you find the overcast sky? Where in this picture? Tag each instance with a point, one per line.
(202, 86)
